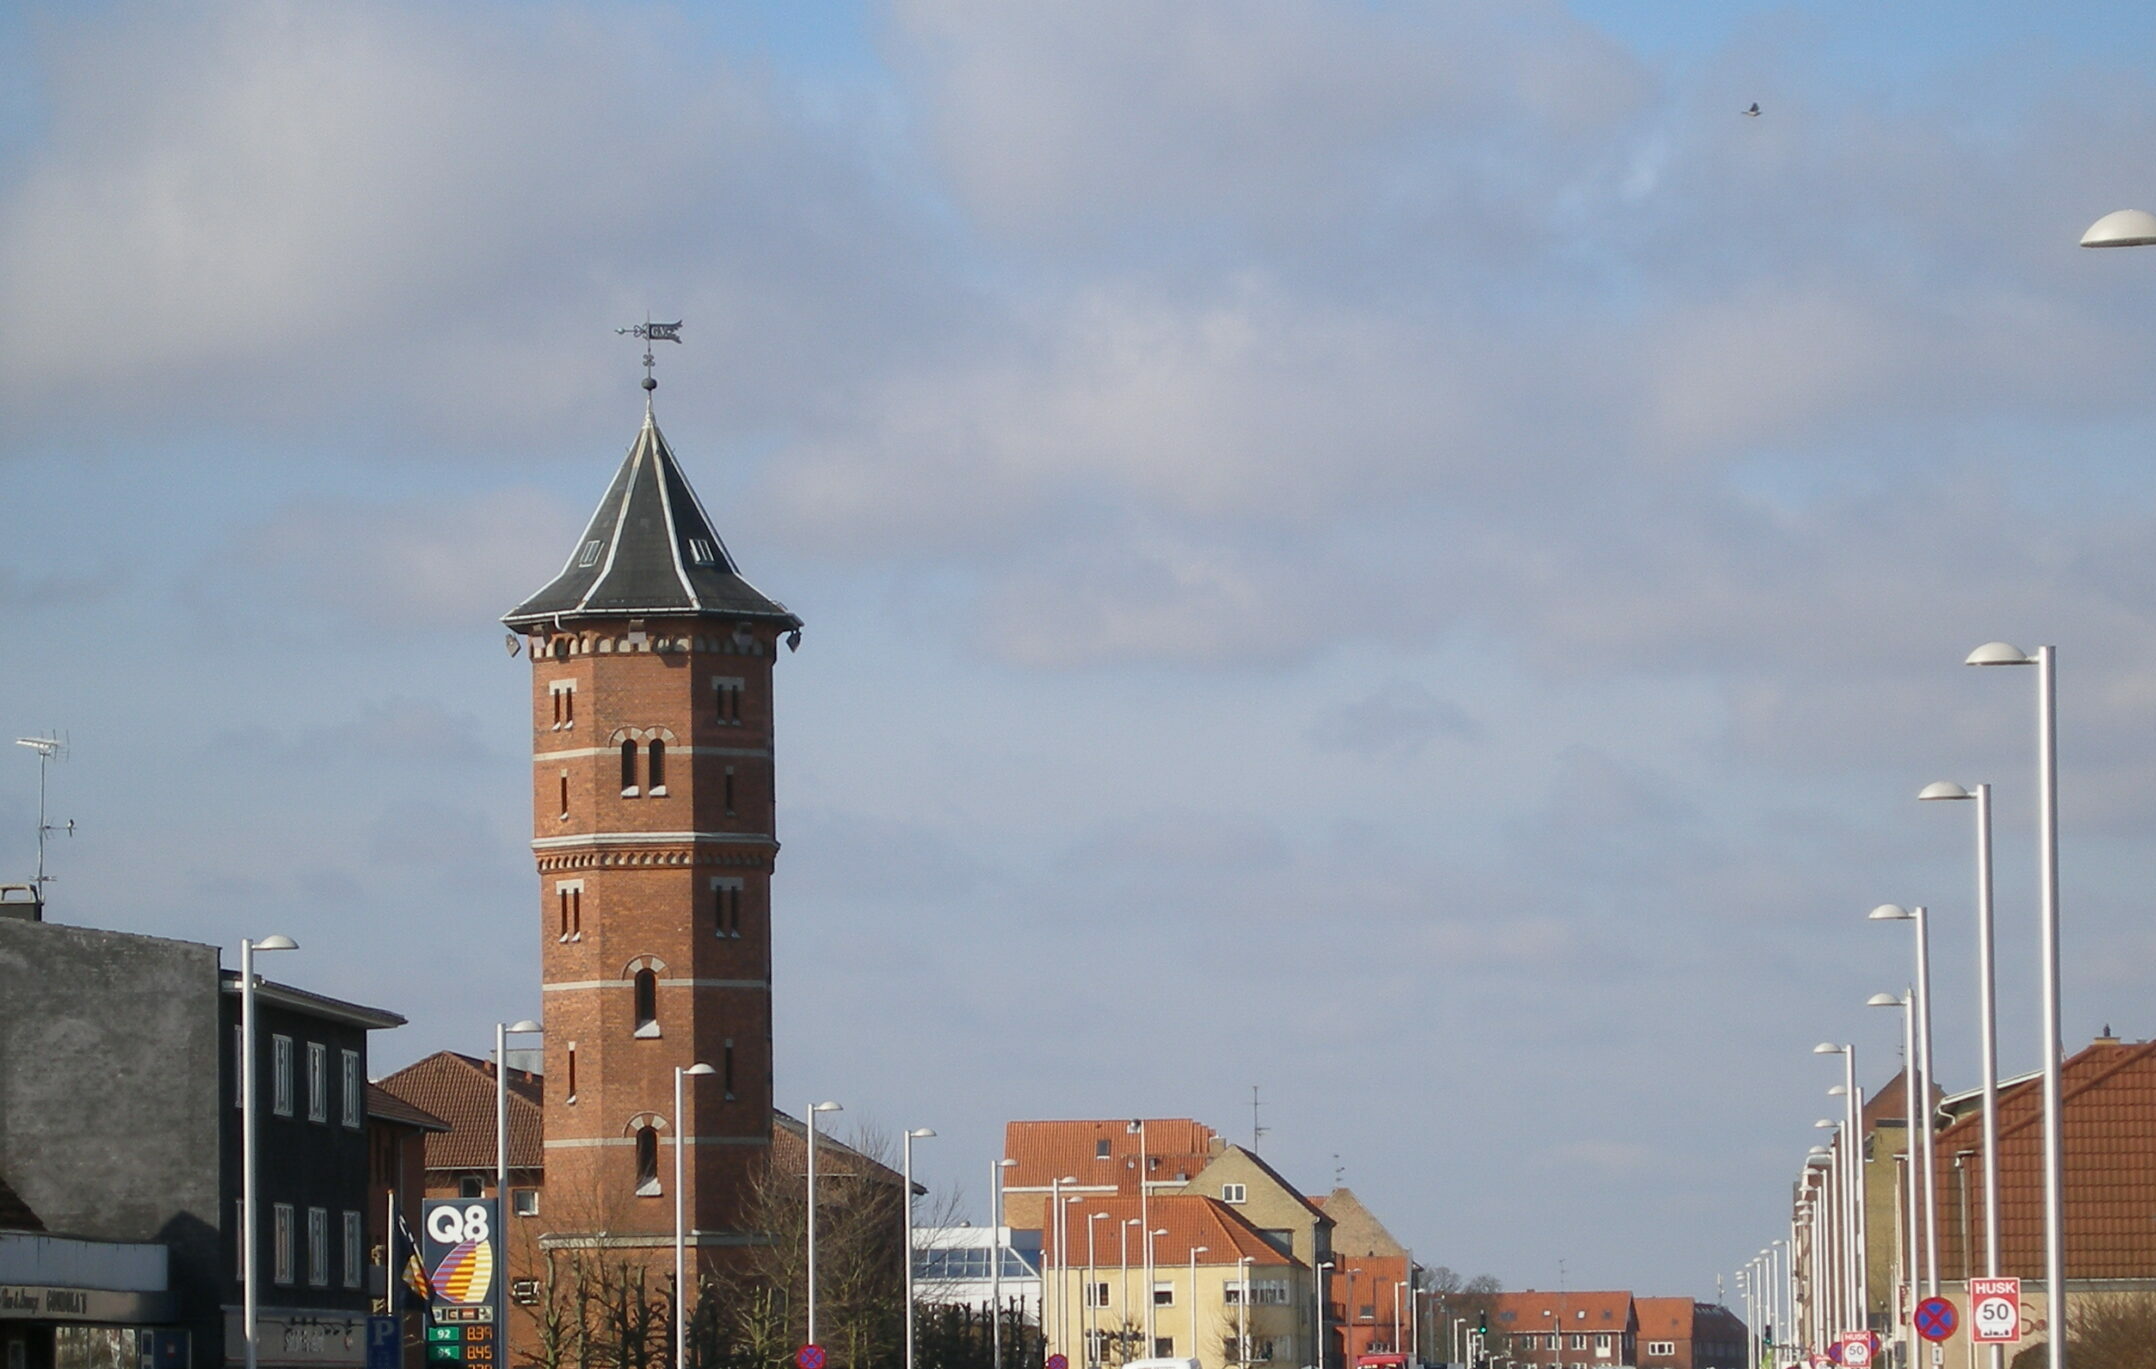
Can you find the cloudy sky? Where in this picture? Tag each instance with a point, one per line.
(1405, 555)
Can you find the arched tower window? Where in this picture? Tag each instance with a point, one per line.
(647, 1161)
(647, 1002)
(628, 769)
(655, 766)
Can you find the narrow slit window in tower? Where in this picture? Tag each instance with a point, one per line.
(729, 791)
(572, 1072)
(655, 765)
(727, 1068)
(647, 1161)
(628, 770)
(647, 1002)
(564, 796)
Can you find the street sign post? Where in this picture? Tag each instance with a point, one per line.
(1856, 1349)
(383, 1349)
(1936, 1319)
(1995, 1308)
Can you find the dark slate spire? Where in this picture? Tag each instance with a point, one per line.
(649, 551)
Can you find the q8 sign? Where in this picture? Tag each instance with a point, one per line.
(463, 1259)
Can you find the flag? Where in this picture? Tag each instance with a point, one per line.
(415, 1272)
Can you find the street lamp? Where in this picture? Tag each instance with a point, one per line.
(1853, 1167)
(1195, 1252)
(502, 1033)
(698, 1070)
(1907, 1003)
(814, 1108)
(2119, 228)
(1987, 1010)
(1088, 1304)
(995, 1258)
(917, 1134)
(1894, 912)
(1242, 1300)
(250, 1228)
(1317, 1346)
(2128, 228)
(1152, 1336)
(1125, 1326)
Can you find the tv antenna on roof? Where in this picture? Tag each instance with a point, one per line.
(1257, 1132)
(48, 749)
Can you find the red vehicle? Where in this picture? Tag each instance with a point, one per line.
(1391, 1361)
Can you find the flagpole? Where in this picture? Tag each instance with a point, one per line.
(389, 1271)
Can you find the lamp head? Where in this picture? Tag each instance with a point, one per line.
(1890, 912)
(2001, 653)
(921, 1133)
(1828, 1048)
(2122, 228)
(527, 1025)
(1943, 789)
(1823, 1122)
(1068, 1179)
(827, 1107)
(699, 1068)
(1008, 1163)
(1838, 1091)
(1884, 1000)
(276, 941)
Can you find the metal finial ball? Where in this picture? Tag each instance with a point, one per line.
(650, 384)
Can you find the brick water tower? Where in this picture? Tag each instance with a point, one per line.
(652, 823)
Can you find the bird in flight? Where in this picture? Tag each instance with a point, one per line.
(1753, 112)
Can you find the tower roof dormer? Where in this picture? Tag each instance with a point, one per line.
(649, 551)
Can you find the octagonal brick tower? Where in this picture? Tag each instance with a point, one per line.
(652, 823)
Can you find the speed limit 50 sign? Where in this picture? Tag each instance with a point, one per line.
(1995, 1310)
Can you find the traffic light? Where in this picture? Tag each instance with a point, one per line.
(1482, 1324)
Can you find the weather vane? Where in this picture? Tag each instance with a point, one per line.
(651, 332)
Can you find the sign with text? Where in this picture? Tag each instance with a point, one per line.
(1995, 1308)
(463, 1261)
(1856, 1348)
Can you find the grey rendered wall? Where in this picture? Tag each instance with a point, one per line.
(108, 1088)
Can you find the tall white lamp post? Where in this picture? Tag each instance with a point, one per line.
(1853, 1165)
(995, 1258)
(1317, 1348)
(1242, 1303)
(1987, 1011)
(1195, 1252)
(917, 1134)
(814, 1108)
(2126, 229)
(681, 1233)
(1927, 1162)
(1907, 1003)
(502, 1033)
(1090, 1304)
(250, 1202)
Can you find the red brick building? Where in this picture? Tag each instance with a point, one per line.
(1576, 1329)
(1679, 1333)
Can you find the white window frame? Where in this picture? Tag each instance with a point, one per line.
(355, 1091)
(281, 1242)
(318, 1247)
(1096, 1293)
(317, 1082)
(281, 1075)
(355, 1249)
(1161, 1286)
(564, 708)
(1661, 1347)
(524, 1201)
(1234, 1193)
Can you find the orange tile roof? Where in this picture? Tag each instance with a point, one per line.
(1046, 1151)
(1665, 1318)
(2109, 1131)
(460, 1090)
(1573, 1310)
(1188, 1221)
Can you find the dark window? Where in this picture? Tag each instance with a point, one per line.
(471, 1186)
(647, 1160)
(565, 796)
(727, 1069)
(729, 791)
(1100, 1149)
(628, 765)
(657, 765)
(572, 1071)
(647, 998)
